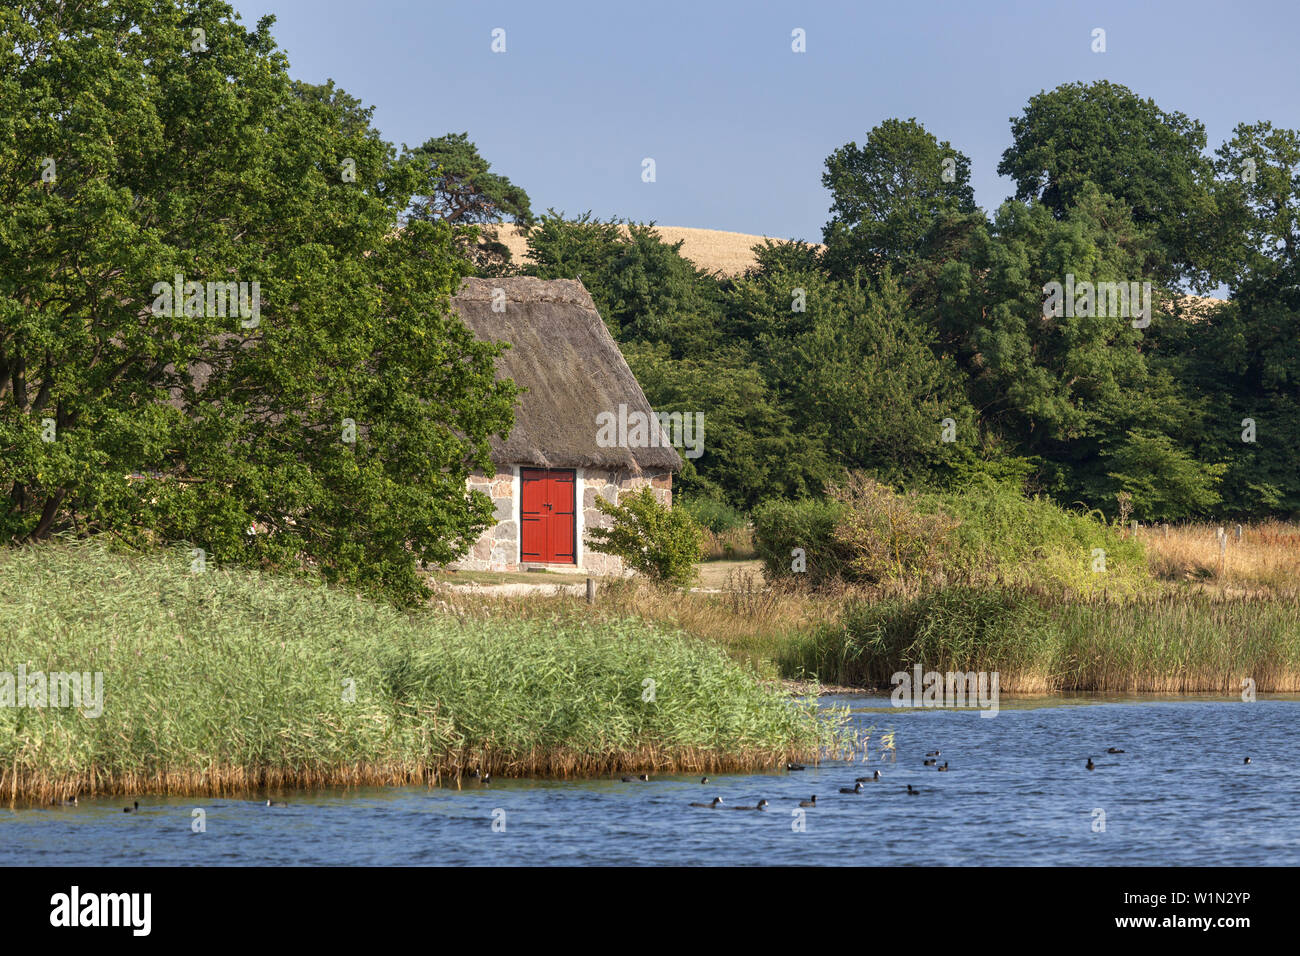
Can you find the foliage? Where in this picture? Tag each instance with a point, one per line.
(661, 542)
(808, 525)
(885, 536)
(886, 192)
(1104, 135)
(711, 514)
(456, 185)
(354, 323)
(642, 286)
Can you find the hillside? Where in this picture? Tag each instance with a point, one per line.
(713, 250)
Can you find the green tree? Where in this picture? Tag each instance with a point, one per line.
(1063, 389)
(1259, 193)
(856, 369)
(644, 288)
(172, 152)
(886, 193)
(456, 185)
(752, 448)
(1164, 480)
(1106, 135)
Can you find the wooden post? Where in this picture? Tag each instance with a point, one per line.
(1238, 532)
(591, 590)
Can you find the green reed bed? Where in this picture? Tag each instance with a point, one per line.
(1180, 643)
(225, 681)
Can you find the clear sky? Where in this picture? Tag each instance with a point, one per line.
(739, 126)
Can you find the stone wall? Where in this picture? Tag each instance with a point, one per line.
(498, 548)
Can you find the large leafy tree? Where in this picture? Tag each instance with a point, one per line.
(752, 447)
(886, 194)
(1259, 196)
(145, 139)
(1067, 390)
(857, 371)
(1106, 135)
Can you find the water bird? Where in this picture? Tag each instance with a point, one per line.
(943, 768)
(1091, 765)
(933, 753)
(761, 805)
(1247, 760)
(794, 766)
(810, 802)
(872, 779)
(133, 808)
(1113, 750)
(645, 777)
(911, 792)
(65, 803)
(717, 802)
(856, 788)
(931, 763)
(276, 803)
(704, 780)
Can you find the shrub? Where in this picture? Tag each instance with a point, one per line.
(885, 536)
(715, 516)
(781, 526)
(726, 529)
(660, 542)
(1003, 537)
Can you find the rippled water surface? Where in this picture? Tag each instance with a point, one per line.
(1017, 793)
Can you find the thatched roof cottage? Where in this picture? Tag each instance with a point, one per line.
(549, 470)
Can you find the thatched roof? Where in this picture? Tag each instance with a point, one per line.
(564, 357)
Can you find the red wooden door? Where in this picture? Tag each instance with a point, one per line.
(546, 515)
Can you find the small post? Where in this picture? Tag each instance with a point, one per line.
(1135, 529)
(1223, 550)
(1239, 532)
(591, 590)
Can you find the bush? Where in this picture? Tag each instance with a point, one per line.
(862, 533)
(715, 516)
(781, 526)
(1005, 538)
(660, 542)
(885, 536)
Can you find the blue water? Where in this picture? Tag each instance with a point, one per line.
(1017, 793)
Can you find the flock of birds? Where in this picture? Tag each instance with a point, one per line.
(859, 785)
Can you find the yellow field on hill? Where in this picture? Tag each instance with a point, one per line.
(713, 250)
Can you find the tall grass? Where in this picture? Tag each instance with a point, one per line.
(1173, 643)
(1265, 559)
(226, 681)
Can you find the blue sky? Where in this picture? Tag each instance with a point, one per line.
(739, 126)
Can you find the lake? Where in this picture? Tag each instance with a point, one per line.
(1017, 793)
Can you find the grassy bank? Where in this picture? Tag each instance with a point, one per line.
(1170, 644)
(229, 681)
